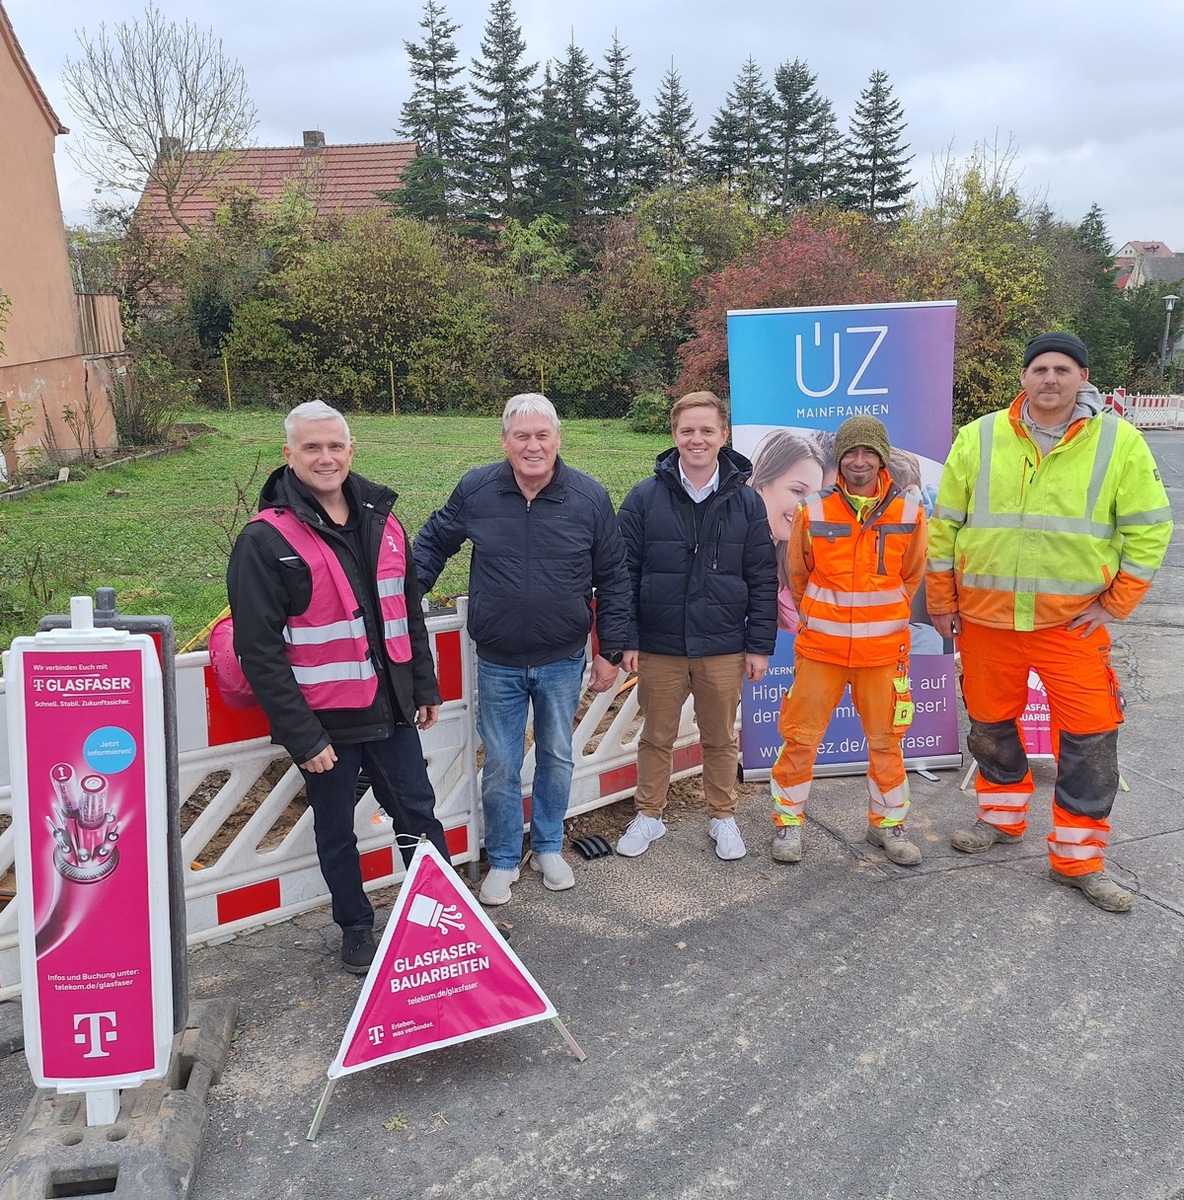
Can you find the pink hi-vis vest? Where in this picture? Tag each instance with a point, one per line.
(326, 644)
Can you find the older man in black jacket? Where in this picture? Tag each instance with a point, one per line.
(704, 578)
(544, 537)
(331, 638)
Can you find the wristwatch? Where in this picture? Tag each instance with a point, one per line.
(614, 659)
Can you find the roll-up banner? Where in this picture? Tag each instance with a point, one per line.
(796, 375)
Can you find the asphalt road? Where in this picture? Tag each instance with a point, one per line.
(843, 1028)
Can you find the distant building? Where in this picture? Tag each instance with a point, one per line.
(338, 179)
(61, 351)
(1146, 262)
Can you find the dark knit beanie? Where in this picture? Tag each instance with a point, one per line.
(862, 431)
(1063, 343)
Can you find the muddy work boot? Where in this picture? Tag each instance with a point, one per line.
(787, 843)
(895, 843)
(1098, 888)
(982, 835)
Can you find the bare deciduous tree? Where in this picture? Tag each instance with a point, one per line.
(159, 102)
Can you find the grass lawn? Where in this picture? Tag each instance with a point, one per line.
(159, 531)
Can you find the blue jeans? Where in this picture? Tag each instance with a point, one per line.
(503, 694)
(399, 777)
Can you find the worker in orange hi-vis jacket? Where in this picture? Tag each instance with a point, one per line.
(1051, 521)
(856, 558)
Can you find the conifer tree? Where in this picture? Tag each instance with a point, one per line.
(434, 115)
(561, 142)
(798, 130)
(619, 163)
(739, 150)
(671, 144)
(502, 117)
(877, 175)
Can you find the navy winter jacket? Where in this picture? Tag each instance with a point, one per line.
(535, 564)
(710, 593)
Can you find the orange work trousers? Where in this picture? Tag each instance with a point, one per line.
(1085, 707)
(805, 713)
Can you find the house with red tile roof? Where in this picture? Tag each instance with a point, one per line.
(342, 180)
(60, 351)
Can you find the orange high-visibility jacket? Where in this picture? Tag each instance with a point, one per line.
(854, 581)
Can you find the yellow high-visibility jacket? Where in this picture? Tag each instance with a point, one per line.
(1020, 540)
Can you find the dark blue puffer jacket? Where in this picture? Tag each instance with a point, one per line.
(535, 564)
(714, 594)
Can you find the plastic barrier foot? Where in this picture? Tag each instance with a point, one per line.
(152, 1150)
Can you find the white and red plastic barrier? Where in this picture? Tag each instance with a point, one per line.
(261, 877)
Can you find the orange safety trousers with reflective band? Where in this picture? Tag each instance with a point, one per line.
(1085, 709)
(805, 713)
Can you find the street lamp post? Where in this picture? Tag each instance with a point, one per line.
(1169, 303)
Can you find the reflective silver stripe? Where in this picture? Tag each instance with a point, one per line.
(318, 635)
(1107, 436)
(982, 485)
(1078, 852)
(941, 564)
(391, 587)
(1042, 523)
(892, 805)
(336, 672)
(1006, 808)
(912, 510)
(1070, 835)
(942, 512)
(1155, 516)
(1028, 584)
(1147, 574)
(854, 599)
(394, 629)
(814, 507)
(859, 629)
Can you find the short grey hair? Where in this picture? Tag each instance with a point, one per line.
(529, 404)
(311, 410)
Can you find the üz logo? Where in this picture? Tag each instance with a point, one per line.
(877, 332)
(94, 1034)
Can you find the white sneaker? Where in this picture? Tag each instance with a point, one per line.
(496, 888)
(642, 830)
(557, 875)
(726, 835)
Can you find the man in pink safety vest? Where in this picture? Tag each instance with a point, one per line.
(330, 635)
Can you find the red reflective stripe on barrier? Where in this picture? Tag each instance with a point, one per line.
(376, 864)
(448, 665)
(618, 780)
(248, 901)
(226, 724)
(687, 757)
(457, 840)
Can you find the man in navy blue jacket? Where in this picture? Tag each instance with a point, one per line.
(544, 537)
(704, 578)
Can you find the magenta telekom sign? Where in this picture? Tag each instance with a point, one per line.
(87, 743)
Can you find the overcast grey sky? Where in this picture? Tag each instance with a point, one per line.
(1090, 92)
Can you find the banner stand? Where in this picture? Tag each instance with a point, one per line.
(442, 974)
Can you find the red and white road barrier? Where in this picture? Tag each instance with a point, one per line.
(266, 869)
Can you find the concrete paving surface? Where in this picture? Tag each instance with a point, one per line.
(841, 1028)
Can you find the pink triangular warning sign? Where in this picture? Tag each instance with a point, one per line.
(442, 974)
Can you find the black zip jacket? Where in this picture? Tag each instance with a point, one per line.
(700, 587)
(535, 564)
(267, 583)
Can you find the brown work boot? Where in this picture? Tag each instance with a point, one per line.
(1098, 888)
(895, 843)
(982, 835)
(787, 843)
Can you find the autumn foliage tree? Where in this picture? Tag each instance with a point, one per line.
(813, 263)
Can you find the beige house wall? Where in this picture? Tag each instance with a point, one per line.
(42, 365)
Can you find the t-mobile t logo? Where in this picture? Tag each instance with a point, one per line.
(94, 1032)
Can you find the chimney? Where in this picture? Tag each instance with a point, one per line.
(314, 142)
(167, 147)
